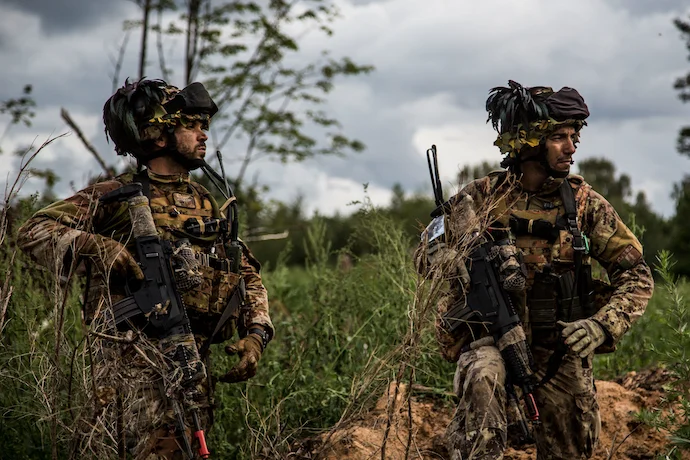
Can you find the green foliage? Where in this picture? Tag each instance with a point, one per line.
(338, 329)
(244, 52)
(680, 236)
(600, 173)
(339, 333)
(682, 85)
(634, 352)
(20, 110)
(470, 172)
(35, 360)
(672, 350)
(410, 211)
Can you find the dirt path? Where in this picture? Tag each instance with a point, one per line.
(621, 433)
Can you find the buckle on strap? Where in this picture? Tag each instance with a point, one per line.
(580, 242)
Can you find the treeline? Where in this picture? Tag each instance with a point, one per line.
(285, 224)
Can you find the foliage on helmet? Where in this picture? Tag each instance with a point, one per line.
(127, 114)
(525, 116)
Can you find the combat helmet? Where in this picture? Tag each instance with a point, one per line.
(525, 116)
(141, 111)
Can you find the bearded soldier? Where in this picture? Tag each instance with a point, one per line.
(135, 397)
(553, 226)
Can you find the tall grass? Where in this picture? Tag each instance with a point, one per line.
(673, 351)
(343, 333)
(339, 336)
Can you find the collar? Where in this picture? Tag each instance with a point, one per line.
(549, 187)
(180, 178)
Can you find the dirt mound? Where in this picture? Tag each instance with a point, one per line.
(423, 432)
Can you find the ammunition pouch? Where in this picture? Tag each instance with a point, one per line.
(554, 297)
(217, 285)
(204, 302)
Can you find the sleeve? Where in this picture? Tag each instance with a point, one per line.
(615, 246)
(463, 207)
(444, 263)
(255, 309)
(49, 235)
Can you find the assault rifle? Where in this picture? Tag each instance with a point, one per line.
(155, 307)
(486, 301)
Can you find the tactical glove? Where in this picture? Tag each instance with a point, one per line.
(249, 350)
(583, 336)
(108, 255)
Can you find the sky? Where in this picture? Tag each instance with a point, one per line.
(435, 62)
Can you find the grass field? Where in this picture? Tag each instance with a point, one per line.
(343, 332)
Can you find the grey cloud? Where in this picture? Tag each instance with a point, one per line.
(645, 7)
(626, 82)
(59, 16)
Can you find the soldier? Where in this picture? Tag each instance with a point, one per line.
(557, 225)
(164, 129)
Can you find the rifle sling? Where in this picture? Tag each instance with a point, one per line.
(143, 178)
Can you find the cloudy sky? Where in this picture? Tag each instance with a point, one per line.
(435, 61)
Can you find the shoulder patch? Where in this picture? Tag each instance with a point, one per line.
(629, 257)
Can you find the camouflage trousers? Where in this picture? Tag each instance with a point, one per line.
(136, 398)
(151, 430)
(570, 422)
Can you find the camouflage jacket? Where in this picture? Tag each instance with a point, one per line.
(611, 244)
(48, 236)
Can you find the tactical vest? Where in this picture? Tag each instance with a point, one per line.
(558, 284)
(173, 208)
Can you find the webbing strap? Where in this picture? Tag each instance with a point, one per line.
(231, 311)
(143, 178)
(579, 249)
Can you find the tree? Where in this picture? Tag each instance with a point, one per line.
(600, 173)
(20, 110)
(682, 85)
(245, 53)
(470, 172)
(680, 245)
(680, 236)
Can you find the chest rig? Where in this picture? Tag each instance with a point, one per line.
(555, 253)
(188, 212)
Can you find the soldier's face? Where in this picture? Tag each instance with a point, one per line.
(560, 148)
(191, 140)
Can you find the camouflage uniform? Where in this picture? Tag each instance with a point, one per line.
(49, 236)
(478, 428)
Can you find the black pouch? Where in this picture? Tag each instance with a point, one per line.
(543, 302)
(570, 308)
(554, 298)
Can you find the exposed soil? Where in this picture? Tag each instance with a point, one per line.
(621, 433)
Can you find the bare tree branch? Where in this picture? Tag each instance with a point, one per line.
(159, 45)
(193, 8)
(118, 63)
(65, 116)
(144, 36)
